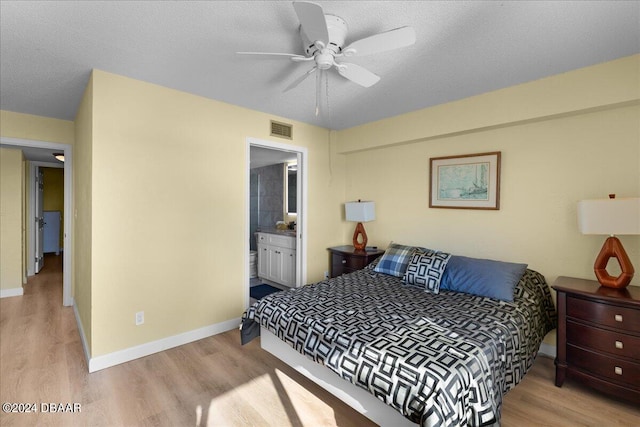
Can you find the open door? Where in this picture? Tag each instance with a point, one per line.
(301, 154)
(39, 219)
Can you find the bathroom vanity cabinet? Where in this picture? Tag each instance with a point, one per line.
(277, 257)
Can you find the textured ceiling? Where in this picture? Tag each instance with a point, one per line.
(47, 50)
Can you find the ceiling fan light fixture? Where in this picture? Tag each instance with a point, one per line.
(325, 59)
(323, 37)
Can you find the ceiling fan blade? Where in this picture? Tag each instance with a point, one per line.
(357, 74)
(311, 17)
(299, 80)
(270, 55)
(393, 39)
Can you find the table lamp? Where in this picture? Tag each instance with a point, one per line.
(360, 212)
(611, 216)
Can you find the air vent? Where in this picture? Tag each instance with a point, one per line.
(282, 130)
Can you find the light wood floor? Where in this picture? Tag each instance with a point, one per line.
(214, 381)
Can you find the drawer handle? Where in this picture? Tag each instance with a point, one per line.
(619, 345)
(618, 370)
(618, 317)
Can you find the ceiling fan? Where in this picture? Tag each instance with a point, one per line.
(323, 36)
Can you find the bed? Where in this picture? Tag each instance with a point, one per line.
(441, 358)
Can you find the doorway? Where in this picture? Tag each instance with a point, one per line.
(40, 153)
(263, 153)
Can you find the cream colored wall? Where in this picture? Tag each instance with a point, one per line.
(546, 168)
(591, 88)
(566, 138)
(36, 128)
(82, 212)
(27, 126)
(168, 209)
(11, 215)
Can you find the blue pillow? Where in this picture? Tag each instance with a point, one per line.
(395, 259)
(425, 269)
(483, 277)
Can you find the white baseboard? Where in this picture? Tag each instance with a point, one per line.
(83, 337)
(547, 350)
(142, 350)
(11, 292)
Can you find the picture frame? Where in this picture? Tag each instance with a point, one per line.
(470, 181)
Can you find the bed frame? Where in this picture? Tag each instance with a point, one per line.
(359, 399)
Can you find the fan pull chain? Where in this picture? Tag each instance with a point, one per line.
(326, 85)
(318, 86)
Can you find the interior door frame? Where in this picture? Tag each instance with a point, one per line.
(36, 176)
(301, 207)
(31, 195)
(67, 297)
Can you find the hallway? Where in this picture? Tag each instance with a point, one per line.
(40, 349)
(210, 382)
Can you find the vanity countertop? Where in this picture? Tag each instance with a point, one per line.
(291, 233)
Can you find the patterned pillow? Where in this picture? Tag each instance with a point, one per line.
(395, 259)
(425, 269)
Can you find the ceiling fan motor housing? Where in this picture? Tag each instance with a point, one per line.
(323, 38)
(337, 28)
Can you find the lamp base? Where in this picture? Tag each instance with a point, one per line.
(359, 233)
(612, 248)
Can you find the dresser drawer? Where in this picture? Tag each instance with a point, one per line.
(614, 343)
(616, 370)
(623, 318)
(349, 262)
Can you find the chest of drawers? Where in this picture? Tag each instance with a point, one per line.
(598, 339)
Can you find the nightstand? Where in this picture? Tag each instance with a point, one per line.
(346, 259)
(598, 339)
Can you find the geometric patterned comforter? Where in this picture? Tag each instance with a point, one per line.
(440, 360)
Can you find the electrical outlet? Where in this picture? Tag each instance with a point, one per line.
(326, 274)
(139, 318)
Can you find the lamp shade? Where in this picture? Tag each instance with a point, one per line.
(360, 211)
(609, 216)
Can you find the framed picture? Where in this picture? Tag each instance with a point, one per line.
(470, 181)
